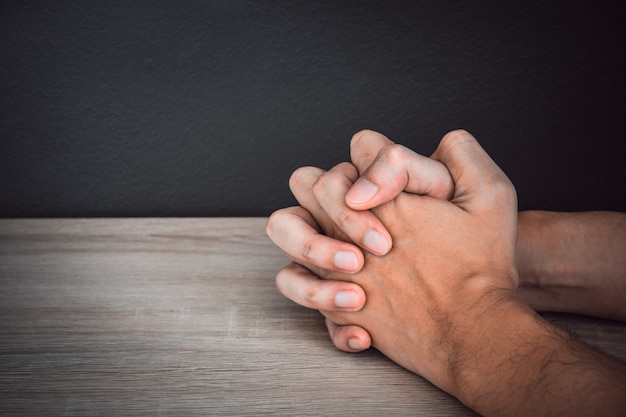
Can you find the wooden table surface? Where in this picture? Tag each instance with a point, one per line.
(181, 317)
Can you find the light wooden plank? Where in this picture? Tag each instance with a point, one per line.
(181, 317)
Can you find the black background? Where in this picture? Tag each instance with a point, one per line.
(168, 108)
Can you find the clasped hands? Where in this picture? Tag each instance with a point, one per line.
(401, 251)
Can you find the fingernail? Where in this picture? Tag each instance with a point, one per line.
(376, 242)
(362, 191)
(355, 343)
(346, 260)
(346, 299)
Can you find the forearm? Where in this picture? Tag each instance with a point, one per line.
(516, 363)
(573, 262)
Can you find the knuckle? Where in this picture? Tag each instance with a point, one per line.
(308, 249)
(279, 281)
(360, 137)
(393, 154)
(296, 177)
(458, 135)
(345, 218)
(348, 170)
(455, 138)
(310, 292)
(302, 177)
(272, 221)
(506, 190)
(270, 225)
(502, 191)
(322, 184)
(282, 277)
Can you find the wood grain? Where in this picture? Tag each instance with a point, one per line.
(181, 317)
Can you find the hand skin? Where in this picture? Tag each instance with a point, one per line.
(451, 313)
(567, 262)
(299, 235)
(573, 262)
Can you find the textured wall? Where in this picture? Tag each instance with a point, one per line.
(165, 108)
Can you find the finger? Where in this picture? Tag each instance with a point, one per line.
(361, 227)
(364, 148)
(387, 169)
(349, 338)
(302, 287)
(396, 169)
(479, 182)
(294, 230)
(301, 185)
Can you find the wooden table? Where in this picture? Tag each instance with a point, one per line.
(181, 317)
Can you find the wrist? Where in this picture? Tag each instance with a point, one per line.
(533, 231)
(502, 352)
(471, 335)
(543, 267)
(516, 363)
(476, 326)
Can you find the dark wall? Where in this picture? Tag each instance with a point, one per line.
(204, 108)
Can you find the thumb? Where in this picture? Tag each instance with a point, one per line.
(396, 169)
